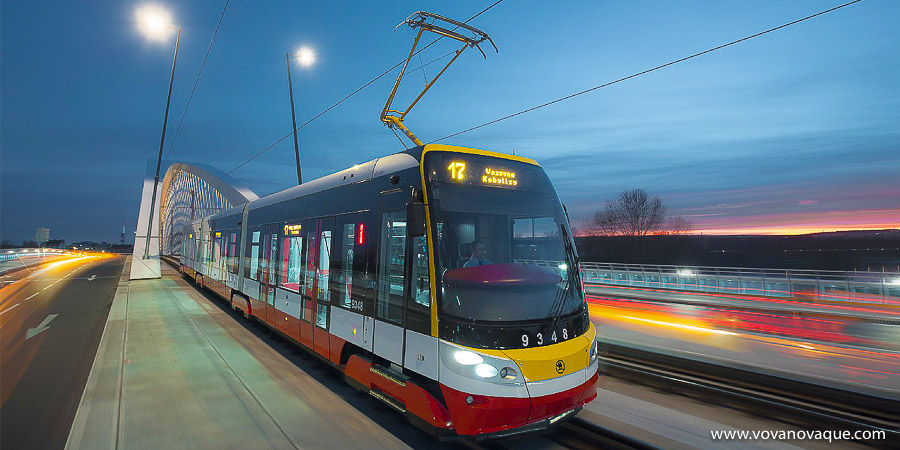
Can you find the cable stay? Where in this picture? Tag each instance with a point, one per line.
(426, 21)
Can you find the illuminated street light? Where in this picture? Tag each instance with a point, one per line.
(306, 57)
(155, 22)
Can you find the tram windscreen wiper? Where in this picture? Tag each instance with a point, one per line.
(559, 301)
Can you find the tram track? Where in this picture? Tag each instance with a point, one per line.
(802, 403)
(576, 433)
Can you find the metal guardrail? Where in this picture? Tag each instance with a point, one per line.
(814, 285)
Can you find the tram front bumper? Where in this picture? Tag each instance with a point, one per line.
(491, 417)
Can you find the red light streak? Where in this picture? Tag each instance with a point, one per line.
(868, 370)
(751, 297)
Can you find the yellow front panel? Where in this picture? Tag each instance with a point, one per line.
(541, 363)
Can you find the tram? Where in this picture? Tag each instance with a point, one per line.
(441, 280)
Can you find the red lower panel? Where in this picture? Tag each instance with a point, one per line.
(415, 399)
(492, 414)
(554, 404)
(293, 328)
(321, 342)
(306, 334)
(259, 309)
(336, 346)
(281, 321)
(271, 316)
(486, 414)
(241, 303)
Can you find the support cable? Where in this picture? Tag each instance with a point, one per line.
(642, 72)
(196, 81)
(369, 83)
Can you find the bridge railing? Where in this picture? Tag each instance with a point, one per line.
(815, 285)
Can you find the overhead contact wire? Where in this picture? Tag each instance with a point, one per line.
(197, 80)
(369, 83)
(524, 111)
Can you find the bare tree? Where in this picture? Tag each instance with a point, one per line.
(679, 225)
(635, 213)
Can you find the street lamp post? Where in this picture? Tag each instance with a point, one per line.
(306, 57)
(155, 24)
(293, 118)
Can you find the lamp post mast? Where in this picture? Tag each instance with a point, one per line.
(162, 141)
(293, 118)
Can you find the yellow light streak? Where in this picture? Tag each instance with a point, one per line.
(682, 326)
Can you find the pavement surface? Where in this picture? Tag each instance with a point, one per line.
(178, 369)
(51, 320)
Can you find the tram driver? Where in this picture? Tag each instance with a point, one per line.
(477, 259)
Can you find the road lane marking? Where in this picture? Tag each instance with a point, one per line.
(32, 295)
(9, 309)
(92, 278)
(32, 332)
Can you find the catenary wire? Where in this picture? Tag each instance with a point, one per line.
(196, 81)
(367, 84)
(524, 111)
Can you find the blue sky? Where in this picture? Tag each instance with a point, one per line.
(797, 128)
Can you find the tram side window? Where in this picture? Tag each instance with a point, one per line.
(391, 260)
(220, 251)
(309, 273)
(291, 263)
(344, 277)
(272, 259)
(204, 243)
(324, 274)
(232, 254)
(418, 316)
(253, 267)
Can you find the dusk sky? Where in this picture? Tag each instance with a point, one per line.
(794, 131)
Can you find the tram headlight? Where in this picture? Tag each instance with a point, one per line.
(485, 371)
(468, 358)
(456, 360)
(593, 351)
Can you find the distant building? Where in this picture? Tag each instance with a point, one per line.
(42, 235)
(56, 243)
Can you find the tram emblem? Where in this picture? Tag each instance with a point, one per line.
(560, 366)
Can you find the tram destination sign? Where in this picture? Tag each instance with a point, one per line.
(481, 171)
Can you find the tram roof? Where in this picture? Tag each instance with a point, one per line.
(359, 173)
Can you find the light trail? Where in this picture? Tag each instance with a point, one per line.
(682, 326)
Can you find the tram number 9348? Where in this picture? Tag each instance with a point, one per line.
(544, 339)
(356, 305)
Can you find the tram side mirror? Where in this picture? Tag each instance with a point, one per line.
(415, 219)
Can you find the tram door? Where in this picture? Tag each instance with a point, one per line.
(268, 277)
(389, 335)
(317, 273)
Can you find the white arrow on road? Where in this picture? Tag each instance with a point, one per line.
(92, 278)
(32, 332)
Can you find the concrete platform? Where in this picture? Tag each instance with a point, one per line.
(174, 370)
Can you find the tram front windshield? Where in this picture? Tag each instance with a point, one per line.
(504, 247)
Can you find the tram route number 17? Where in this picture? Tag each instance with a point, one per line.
(539, 338)
(457, 170)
